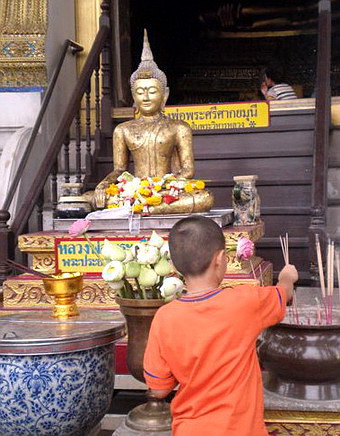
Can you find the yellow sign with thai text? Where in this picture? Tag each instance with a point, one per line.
(222, 115)
(78, 255)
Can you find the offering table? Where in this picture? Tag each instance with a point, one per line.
(27, 291)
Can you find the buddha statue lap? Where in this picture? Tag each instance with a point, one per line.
(158, 145)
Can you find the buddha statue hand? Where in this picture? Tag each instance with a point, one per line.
(100, 196)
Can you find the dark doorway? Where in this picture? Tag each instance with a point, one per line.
(213, 51)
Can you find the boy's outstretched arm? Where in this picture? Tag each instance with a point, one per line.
(287, 277)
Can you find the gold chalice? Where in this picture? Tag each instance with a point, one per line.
(64, 288)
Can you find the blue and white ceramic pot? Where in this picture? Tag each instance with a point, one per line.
(56, 378)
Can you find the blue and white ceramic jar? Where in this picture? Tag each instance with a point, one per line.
(56, 378)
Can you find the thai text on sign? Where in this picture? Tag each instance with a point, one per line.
(77, 255)
(222, 115)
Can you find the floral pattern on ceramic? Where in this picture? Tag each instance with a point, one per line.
(55, 395)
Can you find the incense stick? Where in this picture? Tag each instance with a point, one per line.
(26, 269)
(261, 276)
(252, 268)
(283, 248)
(337, 261)
(321, 274)
(331, 284)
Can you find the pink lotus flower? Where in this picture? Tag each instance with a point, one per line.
(79, 227)
(245, 248)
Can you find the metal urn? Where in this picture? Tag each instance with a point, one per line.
(153, 416)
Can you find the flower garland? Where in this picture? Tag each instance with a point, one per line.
(143, 193)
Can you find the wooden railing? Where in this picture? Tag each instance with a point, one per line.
(97, 70)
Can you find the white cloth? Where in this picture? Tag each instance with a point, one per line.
(9, 162)
(110, 214)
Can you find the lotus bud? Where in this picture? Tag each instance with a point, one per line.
(165, 250)
(171, 287)
(156, 240)
(129, 256)
(132, 269)
(113, 271)
(163, 267)
(116, 286)
(113, 251)
(135, 248)
(147, 277)
(147, 254)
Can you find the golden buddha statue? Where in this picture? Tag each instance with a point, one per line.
(158, 145)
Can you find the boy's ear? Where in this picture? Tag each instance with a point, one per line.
(219, 257)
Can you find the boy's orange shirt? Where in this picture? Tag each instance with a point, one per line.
(206, 343)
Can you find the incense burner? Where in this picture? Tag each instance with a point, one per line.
(303, 361)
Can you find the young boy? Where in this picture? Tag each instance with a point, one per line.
(205, 340)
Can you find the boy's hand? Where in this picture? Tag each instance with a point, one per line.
(287, 277)
(289, 273)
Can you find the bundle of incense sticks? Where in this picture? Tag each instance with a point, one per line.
(285, 248)
(327, 293)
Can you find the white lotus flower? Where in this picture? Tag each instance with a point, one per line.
(113, 271)
(147, 277)
(132, 269)
(135, 248)
(171, 287)
(165, 250)
(129, 255)
(156, 240)
(113, 251)
(116, 286)
(147, 254)
(163, 267)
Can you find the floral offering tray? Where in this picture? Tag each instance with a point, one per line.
(223, 217)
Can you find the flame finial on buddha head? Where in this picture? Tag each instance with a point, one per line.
(148, 69)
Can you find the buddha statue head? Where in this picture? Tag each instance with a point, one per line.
(148, 83)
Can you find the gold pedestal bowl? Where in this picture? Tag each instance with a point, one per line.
(64, 288)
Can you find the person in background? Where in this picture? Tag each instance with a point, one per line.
(273, 87)
(205, 341)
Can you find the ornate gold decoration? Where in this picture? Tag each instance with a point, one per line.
(33, 242)
(23, 25)
(234, 265)
(254, 233)
(297, 416)
(303, 429)
(44, 262)
(241, 278)
(28, 292)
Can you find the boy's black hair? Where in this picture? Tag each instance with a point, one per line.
(193, 241)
